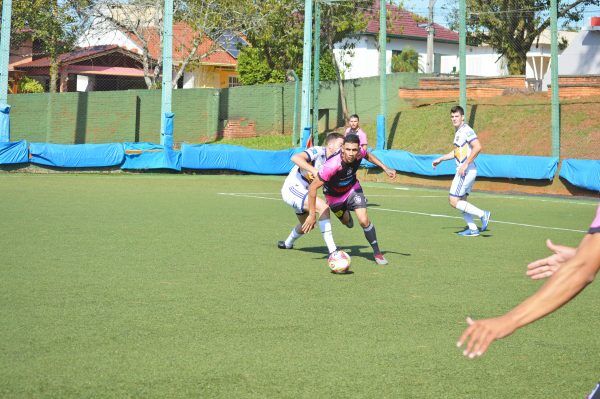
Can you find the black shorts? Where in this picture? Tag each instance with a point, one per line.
(355, 200)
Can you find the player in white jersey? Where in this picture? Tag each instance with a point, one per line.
(295, 190)
(466, 149)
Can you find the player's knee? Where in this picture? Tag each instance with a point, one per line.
(364, 221)
(453, 201)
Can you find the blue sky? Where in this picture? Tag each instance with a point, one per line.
(440, 15)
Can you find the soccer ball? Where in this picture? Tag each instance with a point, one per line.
(339, 262)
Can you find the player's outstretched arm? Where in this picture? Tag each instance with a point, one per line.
(546, 267)
(388, 171)
(572, 277)
(443, 158)
(311, 219)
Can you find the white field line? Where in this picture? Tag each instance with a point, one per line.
(505, 196)
(253, 195)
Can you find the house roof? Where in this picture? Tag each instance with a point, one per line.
(183, 36)
(406, 24)
(78, 56)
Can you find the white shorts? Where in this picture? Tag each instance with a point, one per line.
(294, 194)
(462, 185)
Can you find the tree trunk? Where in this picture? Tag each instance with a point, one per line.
(53, 73)
(340, 81)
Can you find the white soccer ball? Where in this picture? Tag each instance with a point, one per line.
(339, 262)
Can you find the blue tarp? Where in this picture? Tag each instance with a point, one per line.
(4, 123)
(223, 156)
(499, 166)
(77, 155)
(15, 152)
(150, 156)
(584, 173)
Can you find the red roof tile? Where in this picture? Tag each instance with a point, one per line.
(74, 56)
(183, 36)
(404, 23)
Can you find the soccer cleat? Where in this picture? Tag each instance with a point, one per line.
(485, 220)
(281, 245)
(380, 259)
(469, 233)
(350, 223)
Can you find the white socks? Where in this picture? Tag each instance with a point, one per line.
(325, 227)
(466, 207)
(294, 235)
(469, 219)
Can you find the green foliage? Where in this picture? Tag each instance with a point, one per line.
(512, 26)
(29, 85)
(253, 69)
(406, 61)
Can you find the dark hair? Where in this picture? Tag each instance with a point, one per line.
(457, 108)
(354, 116)
(333, 136)
(352, 138)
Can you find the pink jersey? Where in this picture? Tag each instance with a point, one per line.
(595, 227)
(362, 136)
(340, 177)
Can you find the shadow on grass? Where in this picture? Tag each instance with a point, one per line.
(358, 251)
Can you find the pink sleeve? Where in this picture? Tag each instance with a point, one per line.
(362, 153)
(329, 169)
(362, 137)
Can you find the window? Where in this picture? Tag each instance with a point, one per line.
(234, 81)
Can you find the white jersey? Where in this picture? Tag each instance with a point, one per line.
(462, 144)
(317, 156)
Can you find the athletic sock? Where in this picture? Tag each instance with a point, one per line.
(325, 226)
(294, 235)
(371, 237)
(469, 219)
(467, 207)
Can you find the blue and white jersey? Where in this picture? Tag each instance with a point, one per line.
(463, 138)
(316, 156)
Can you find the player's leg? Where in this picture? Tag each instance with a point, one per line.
(358, 203)
(294, 195)
(461, 186)
(325, 225)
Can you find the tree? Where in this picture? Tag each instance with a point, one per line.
(277, 44)
(406, 61)
(53, 24)
(340, 21)
(217, 22)
(281, 52)
(513, 26)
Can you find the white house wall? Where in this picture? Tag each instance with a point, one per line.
(582, 56)
(364, 58)
(103, 34)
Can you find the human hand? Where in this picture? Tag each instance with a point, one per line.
(546, 267)
(309, 223)
(481, 333)
(462, 169)
(391, 173)
(436, 162)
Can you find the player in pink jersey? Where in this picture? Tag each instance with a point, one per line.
(354, 128)
(572, 269)
(343, 192)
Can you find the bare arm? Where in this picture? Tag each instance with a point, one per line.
(301, 159)
(373, 159)
(445, 157)
(572, 277)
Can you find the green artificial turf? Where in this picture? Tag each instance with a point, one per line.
(154, 286)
